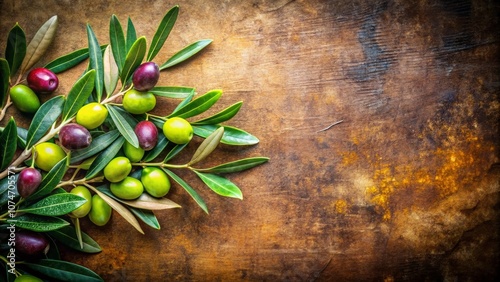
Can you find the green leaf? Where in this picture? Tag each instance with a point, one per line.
(207, 146)
(46, 115)
(98, 144)
(15, 51)
(131, 34)
(69, 60)
(162, 32)
(175, 150)
(175, 92)
(221, 116)
(133, 59)
(50, 180)
(53, 252)
(186, 53)
(95, 62)
(232, 135)
(4, 81)
(105, 157)
(117, 39)
(147, 216)
(38, 223)
(111, 73)
(145, 201)
(235, 166)
(6, 184)
(156, 151)
(54, 205)
(78, 95)
(67, 236)
(220, 185)
(199, 105)
(63, 270)
(22, 135)
(124, 125)
(39, 44)
(196, 197)
(8, 144)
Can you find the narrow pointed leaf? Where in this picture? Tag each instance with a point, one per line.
(8, 144)
(131, 34)
(78, 95)
(145, 201)
(55, 205)
(175, 92)
(235, 166)
(175, 150)
(46, 115)
(15, 51)
(220, 185)
(207, 146)
(98, 144)
(95, 61)
(67, 236)
(221, 116)
(50, 180)
(146, 216)
(184, 102)
(133, 59)
(157, 150)
(104, 157)
(186, 53)
(4, 81)
(61, 270)
(196, 197)
(38, 223)
(162, 32)
(22, 135)
(111, 73)
(39, 44)
(199, 105)
(68, 61)
(123, 125)
(117, 39)
(232, 135)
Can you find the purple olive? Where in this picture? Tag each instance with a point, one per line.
(42, 80)
(31, 244)
(146, 76)
(28, 181)
(74, 136)
(147, 133)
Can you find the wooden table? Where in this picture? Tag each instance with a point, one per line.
(406, 188)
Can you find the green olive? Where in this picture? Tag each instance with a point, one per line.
(91, 115)
(117, 169)
(47, 155)
(100, 213)
(132, 153)
(136, 102)
(27, 278)
(84, 209)
(127, 189)
(24, 98)
(178, 130)
(155, 181)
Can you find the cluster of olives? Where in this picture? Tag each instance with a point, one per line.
(40, 81)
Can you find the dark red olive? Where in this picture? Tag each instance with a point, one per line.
(147, 133)
(42, 80)
(74, 136)
(30, 243)
(28, 181)
(146, 76)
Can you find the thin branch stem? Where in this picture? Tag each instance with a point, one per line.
(4, 110)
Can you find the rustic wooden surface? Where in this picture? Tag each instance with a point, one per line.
(405, 189)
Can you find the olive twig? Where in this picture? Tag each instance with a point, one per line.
(115, 96)
(7, 105)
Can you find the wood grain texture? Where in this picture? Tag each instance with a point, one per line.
(406, 188)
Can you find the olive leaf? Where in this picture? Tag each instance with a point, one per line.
(95, 61)
(110, 72)
(104, 157)
(15, 50)
(69, 60)
(63, 271)
(39, 44)
(78, 95)
(161, 144)
(235, 166)
(43, 120)
(147, 216)
(145, 201)
(184, 102)
(220, 185)
(131, 34)
(5, 184)
(162, 32)
(174, 151)
(186, 53)
(117, 39)
(38, 223)
(8, 144)
(124, 124)
(207, 146)
(67, 236)
(53, 252)
(221, 116)
(232, 135)
(175, 92)
(133, 59)
(198, 106)
(22, 135)
(4, 81)
(98, 144)
(54, 205)
(50, 180)
(196, 197)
